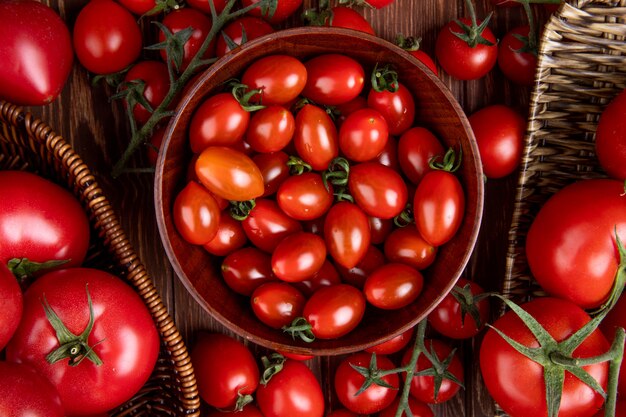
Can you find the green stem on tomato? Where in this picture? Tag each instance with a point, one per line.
(614, 370)
(418, 349)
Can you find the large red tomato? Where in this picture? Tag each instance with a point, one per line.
(26, 393)
(571, 246)
(36, 51)
(11, 305)
(610, 138)
(112, 357)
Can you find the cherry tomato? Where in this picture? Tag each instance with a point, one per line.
(270, 129)
(204, 6)
(460, 60)
(363, 135)
(378, 190)
(334, 311)
(393, 286)
(345, 109)
(357, 275)
(218, 121)
(517, 64)
(181, 19)
(293, 391)
(304, 197)
(298, 256)
(393, 345)
(397, 108)
(418, 409)
(123, 337)
(106, 37)
(380, 229)
(333, 79)
(423, 387)
(196, 214)
(416, 147)
(241, 30)
(406, 245)
(389, 155)
(11, 305)
(315, 137)
(229, 237)
(224, 368)
(348, 381)
(438, 206)
(245, 269)
(325, 277)
(499, 132)
(26, 393)
(37, 44)
(425, 59)
(284, 9)
(267, 225)
(347, 17)
(274, 169)
(277, 304)
(229, 174)
(610, 138)
(347, 234)
(281, 78)
(570, 245)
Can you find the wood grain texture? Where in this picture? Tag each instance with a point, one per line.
(98, 131)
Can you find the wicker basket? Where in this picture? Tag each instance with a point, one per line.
(29, 144)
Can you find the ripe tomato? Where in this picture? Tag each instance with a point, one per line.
(393, 286)
(416, 147)
(270, 129)
(393, 345)
(423, 387)
(11, 305)
(49, 224)
(106, 36)
(124, 337)
(345, 109)
(241, 30)
(418, 409)
(37, 44)
(284, 9)
(515, 59)
(425, 59)
(334, 311)
(347, 17)
(277, 304)
(460, 60)
(571, 247)
(406, 245)
(357, 275)
(522, 393)
(304, 197)
(26, 393)
(181, 19)
(229, 174)
(139, 7)
(204, 5)
(315, 137)
(438, 206)
(397, 108)
(325, 277)
(451, 317)
(281, 77)
(347, 234)
(363, 135)
(380, 229)
(246, 269)
(298, 256)
(499, 132)
(348, 381)
(293, 391)
(274, 168)
(378, 190)
(615, 319)
(229, 237)
(267, 225)
(224, 368)
(610, 142)
(196, 214)
(333, 79)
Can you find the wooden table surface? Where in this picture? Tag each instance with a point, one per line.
(99, 132)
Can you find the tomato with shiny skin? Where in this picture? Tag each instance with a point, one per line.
(270, 129)
(196, 214)
(357, 275)
(425, 59)
(156, 84)
(277, 304)
(610, 144)
(380, 229)
(325, 277)
(305, 197)
(423, 387)
(26, 393)
(460, 60)
(183, 18)
(334, 311)
(245, 269)
(49, 224)
(398, 108)
(393, 345)
(377, 189)
(123, 336)
(281, 78)
(274, 169)
(570, 245)
(348, 381)
(267, 225)
(406, 245)
(298, 256)
(229, 237)
(106, 37)
(416, 147)
(333, 79)
(225, 369)
(348, 18)
(241, 30)
(389, 155)
(345, 109)
(418, 409)
(347, 234)
(284, 9)
(315, 139)
(515, 63)
(293, 391)
(363, 135)
(393, 286)
(219, 121)
(11, 305)
(522, 393)
(438, 206)
(499, 132)
(37, 43)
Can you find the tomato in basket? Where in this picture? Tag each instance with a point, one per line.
(610, 141)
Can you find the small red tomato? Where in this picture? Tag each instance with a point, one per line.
(155, 81)
(241, 30)
(315, 138)
(380, 229)
(393, 286)
(378, 190)
(218, 121)
(181, 19)
(305, 197)
(229, 237)
(277, 304)
(389, 155)
(406, 245)
(363, 135)
(298, 256)
(398, 108)
(280, 77)
(333, 79)
(229, 174)
(345, 109)
(270, 129)
(393, 345)
(274, 169)
(610, 142)
(196, 214)
(425, 59)
(267, 225)
(357, 275)
(245, 269)
(515, 59)
(416, 147)
(347, 234)
(347, 17)
(325, 277)
(334, 311)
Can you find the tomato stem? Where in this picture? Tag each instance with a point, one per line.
(301, 328)
(271, 366)
(384, 79)
(418, 349)
(24, 269)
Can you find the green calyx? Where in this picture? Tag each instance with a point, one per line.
(468, 303)
(439, 369)
(240, 210)
(384, 79)
(24, 269)
(297, 166)
(450, 162)
(472, 34)
(300, 328)
(408, 43)
(271, 366)
(244, 96)
(372, 375)
(405, 217)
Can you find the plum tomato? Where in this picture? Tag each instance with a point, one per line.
(398, 108)
(325, 277)
(274, 169)
(181, 19)
(315, 138)
(406, 245)
(334, 311)
(416, 147)
(267, 225)
(277, 304)
(219, 121)
(333, 79)
(357, 275)
(270, 129)
(347, 234)
(245, 269)
(196, 214)
(305, 197)
(380, 229)
(377, 189)
(610, 144)
(281, 78)
(298, 256)
(363, 135)
(229, 237)
(393, 286)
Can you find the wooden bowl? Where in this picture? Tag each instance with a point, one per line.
(436, 109)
